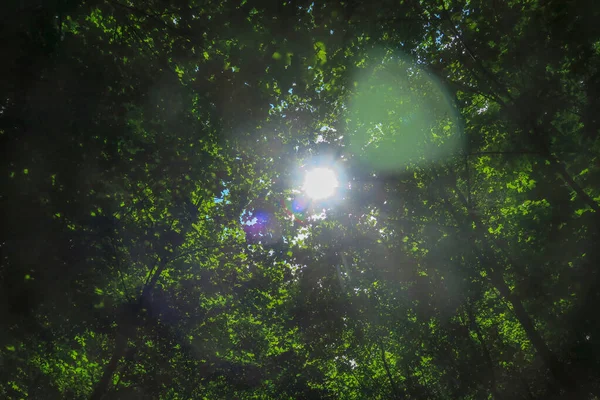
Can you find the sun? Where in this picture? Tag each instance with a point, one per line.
(320, 183)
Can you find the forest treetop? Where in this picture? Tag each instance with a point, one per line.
(300, 199)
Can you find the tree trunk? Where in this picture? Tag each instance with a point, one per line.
(103, 384)
(552, 362)
(494, 271)
(127, 328)
(395, 391)
(486, 352)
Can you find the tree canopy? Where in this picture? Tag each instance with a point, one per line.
(157, 240)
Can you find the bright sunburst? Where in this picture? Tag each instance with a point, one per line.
(320, 183)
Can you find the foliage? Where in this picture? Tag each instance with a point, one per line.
(156, 244)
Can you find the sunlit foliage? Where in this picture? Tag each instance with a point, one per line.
(300, 200)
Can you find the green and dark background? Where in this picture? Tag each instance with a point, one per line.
(154, 242)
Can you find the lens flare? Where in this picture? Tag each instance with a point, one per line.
(297, 207)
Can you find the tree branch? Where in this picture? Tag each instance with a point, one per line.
(386, 366)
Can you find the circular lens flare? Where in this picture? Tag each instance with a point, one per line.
(320, 183)
(297, 208)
